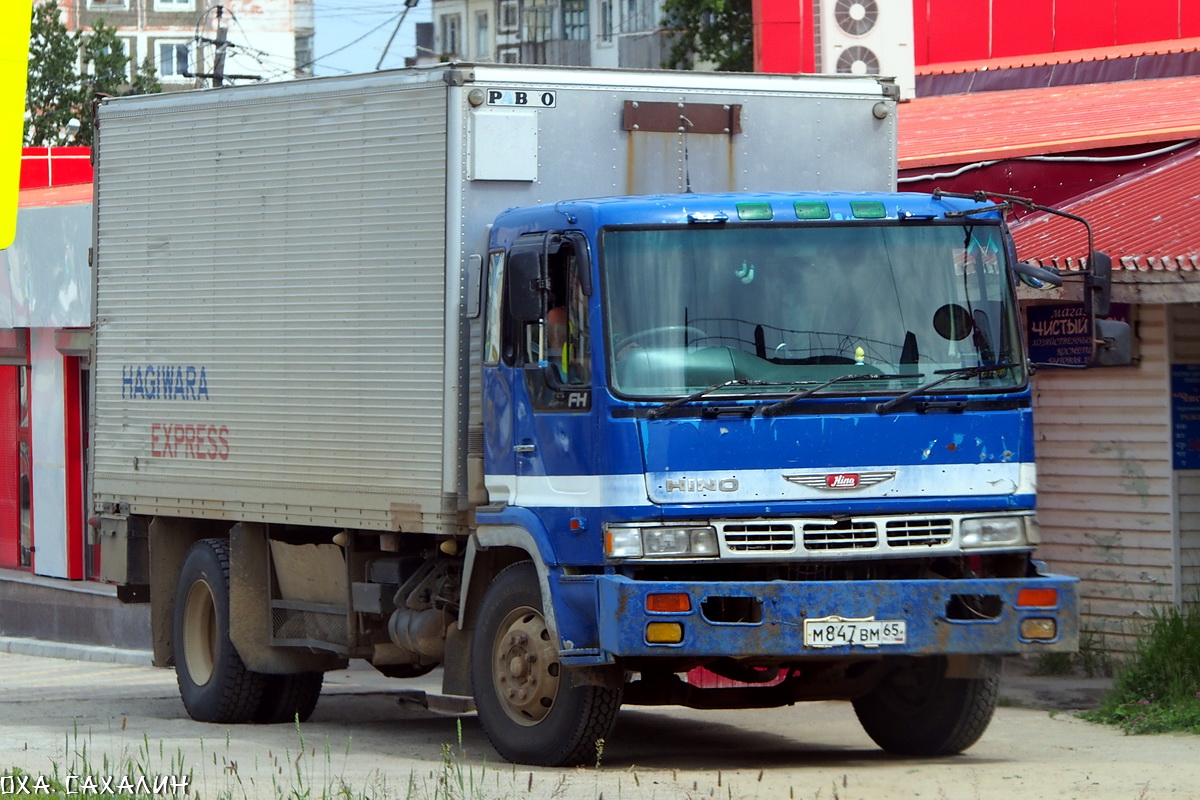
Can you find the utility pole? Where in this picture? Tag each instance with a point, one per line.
(408, 6)
(219, 58)
(220, 46)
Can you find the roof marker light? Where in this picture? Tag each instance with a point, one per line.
(811, 210)
(755, 211)
(867, 209)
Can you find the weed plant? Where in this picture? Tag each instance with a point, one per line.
(1158, 689)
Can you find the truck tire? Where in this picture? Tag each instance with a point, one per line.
(214, 683)
(288, 698)
(530, 710)
(917, 711)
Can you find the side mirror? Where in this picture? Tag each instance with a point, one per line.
(1037, 277)
(1114, 344)
(1098, 297)
(526, 301)
(583, 260)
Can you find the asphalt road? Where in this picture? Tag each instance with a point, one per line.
(116, 723)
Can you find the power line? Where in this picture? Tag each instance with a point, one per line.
(376, 29)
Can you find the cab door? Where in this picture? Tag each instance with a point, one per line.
(542, 385)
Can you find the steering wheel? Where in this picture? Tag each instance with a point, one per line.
(661, 332)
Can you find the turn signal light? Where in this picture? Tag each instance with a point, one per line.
(669, 603)
(1043, 628)
(664, 632)
(1037, 598)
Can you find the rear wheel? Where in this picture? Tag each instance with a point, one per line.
(214, 683)
(287, 698)
(917, 711)
(528, 705)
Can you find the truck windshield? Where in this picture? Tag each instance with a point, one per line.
(690, 308)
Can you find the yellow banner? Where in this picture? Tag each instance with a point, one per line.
(15, 16)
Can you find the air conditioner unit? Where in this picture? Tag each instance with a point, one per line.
(868, 37)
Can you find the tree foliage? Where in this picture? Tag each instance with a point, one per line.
(67, 71)
(715, 32)
(52, 94)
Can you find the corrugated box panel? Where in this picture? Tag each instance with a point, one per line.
(270, 306)
(1105, 485)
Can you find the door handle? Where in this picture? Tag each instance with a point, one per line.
(525, 448)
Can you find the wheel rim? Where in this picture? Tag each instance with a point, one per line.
(525, 667)
(200, 633)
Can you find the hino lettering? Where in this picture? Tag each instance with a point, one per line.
(702, 484)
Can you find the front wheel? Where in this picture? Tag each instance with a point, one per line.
(917, 711)
(528, 705)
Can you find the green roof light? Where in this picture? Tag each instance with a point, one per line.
(812, 210)
(868, 209)
(755, 211)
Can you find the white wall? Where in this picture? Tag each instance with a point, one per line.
(1105, 499)
(47, 417)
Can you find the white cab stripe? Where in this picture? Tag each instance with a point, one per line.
(925, 481)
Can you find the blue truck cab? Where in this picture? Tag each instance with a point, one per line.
(783, 437)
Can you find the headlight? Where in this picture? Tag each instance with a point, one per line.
(681, 542)
(983, 532)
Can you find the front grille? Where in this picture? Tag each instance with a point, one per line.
(919, 532)
(760, 538)
(865, 537)
(846, 534)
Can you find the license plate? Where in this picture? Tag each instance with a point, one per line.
(843, 632)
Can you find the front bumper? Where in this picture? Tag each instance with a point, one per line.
(940, 616)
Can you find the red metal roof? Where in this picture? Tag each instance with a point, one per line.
(964, 129)
(73, 194)
(1065, 57)
(1147, 221)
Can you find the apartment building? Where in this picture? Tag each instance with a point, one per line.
(597, 33)
(267, 39)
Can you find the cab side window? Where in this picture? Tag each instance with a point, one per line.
(561, 337)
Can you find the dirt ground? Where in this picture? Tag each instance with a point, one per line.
(117, 720)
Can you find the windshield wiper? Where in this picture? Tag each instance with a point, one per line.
(775, 408)
(947, 375)
(677, 402)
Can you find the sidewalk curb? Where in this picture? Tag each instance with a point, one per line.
(76, 652)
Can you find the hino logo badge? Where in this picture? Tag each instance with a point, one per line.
(842, 481)
(839, 481)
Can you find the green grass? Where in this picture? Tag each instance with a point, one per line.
(1158, 689)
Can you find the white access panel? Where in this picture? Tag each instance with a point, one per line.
(504, 145)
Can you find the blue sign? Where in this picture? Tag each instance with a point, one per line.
(1185, 416)
(1061, 333)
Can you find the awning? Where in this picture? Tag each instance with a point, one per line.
(1147, 221)
(963, 129)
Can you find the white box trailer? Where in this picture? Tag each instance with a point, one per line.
(287, 275)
